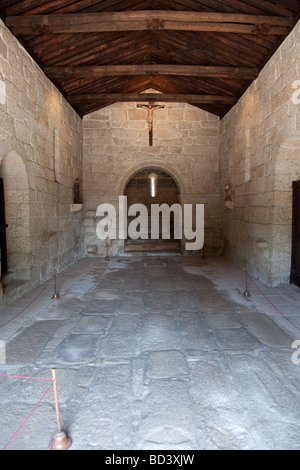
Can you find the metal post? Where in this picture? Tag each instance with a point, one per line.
(60, 441)
(246, 293)
(55, 295)
(107, 246)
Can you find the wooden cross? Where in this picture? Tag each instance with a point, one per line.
(150, 108)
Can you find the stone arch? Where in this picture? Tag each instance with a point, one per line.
(17, 208)
(155, 165)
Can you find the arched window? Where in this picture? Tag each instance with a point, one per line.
(153, 184)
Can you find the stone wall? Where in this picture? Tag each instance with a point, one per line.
(260, 158)
(185, 145)
(41, 156)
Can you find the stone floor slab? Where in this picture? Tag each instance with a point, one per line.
(266, 330)
(159, 302)
(236, 338)
(123, 338)
(166, 364)
(131, 303)
(167, 425)
(160, 332)
(93, 324)
(77, 348)
(223, 320)
(25, 347)
(101, 306)
(194, 332)
(103, 423)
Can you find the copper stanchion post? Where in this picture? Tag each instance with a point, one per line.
(107, 244)
(60, 441)
(246, 292)
(55, 295)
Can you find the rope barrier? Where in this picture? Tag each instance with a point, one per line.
(274, 306)
(24, 377)
(81, 273)
(257, 287)
(31, 413)
(255, 284)
(46, 287)
(29, 305)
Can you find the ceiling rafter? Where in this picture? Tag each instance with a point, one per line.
(145, 20)
(152, 97)
(127, 70)
(205, 52)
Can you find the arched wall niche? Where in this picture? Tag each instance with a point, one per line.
(14, 173)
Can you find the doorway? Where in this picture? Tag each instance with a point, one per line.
(148, 187)
(17, 213)
(295, 270)
(3, 226)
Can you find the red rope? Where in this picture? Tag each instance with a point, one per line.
(274, 306)
(23, 377)
(4, 324)
(43, 290)
(81, 273)
(31, 413)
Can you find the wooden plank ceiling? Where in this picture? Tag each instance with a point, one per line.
(203, 52)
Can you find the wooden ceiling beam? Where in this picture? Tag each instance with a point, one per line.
(151, 97)
(149, 20)
(246, 73)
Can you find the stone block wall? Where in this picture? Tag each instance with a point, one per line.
(41, 156)
(260, 157)
(185, 145)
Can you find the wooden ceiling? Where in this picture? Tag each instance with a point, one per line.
(203, 52)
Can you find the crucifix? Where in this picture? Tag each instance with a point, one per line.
(150, 108)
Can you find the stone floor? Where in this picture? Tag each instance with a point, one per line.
(157, 352)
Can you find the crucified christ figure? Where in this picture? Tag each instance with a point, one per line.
(150, 108)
